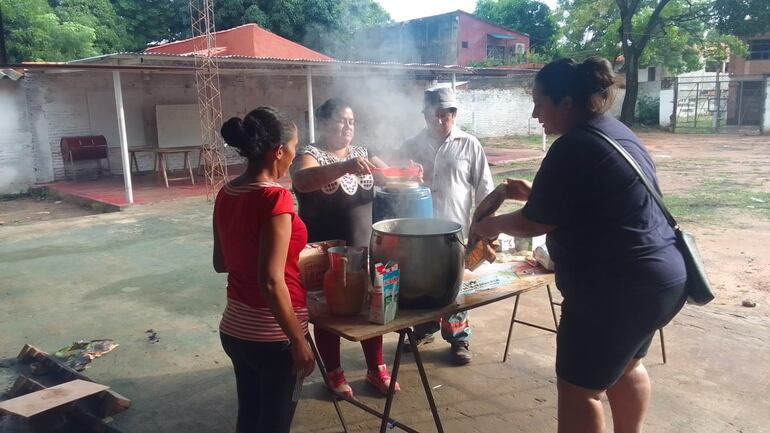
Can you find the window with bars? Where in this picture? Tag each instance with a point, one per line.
(759, 49)
(495, 52)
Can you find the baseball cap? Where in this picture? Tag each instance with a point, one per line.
(440, 97)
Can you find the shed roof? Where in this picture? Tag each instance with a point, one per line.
(248, 40)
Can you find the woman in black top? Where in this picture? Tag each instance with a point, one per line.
(335, 188)
(617, 267)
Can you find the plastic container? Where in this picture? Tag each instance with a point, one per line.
(390, 203)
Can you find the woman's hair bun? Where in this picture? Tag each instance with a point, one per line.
(234, 133)
(264, 128)
(597, 73)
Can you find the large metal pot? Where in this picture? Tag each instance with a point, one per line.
(429, 254)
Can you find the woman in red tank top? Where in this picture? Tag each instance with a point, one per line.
(257, 240)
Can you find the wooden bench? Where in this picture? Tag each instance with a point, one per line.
(84, 148)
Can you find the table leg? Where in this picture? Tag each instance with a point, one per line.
(136, 163)
(163, 168)
(510, 328)
(553, 310)
(188, 166)
(156, 167)
(322, 369)
(393, 378)
(424, 379)
(662, 345)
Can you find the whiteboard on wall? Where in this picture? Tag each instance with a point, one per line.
(178, 125)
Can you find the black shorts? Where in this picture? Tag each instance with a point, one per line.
(599, 336)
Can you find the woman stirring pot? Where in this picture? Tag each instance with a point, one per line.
(334, 185)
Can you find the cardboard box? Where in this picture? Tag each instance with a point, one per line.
(313, 263)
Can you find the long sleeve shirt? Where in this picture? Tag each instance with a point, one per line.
(456, 171)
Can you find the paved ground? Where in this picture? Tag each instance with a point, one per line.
(118, 275)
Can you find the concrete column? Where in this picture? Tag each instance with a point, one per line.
(666, 107)
(310, 105)
(122, 135)
(766, 114)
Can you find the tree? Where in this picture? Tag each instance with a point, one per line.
(99, 15)
(33, 32)
(323, 25)
(149, 21)
(742, 17)
(526, 16)
(678, 34)
(3, 51)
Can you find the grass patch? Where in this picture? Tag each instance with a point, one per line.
(713, 196)
(524, 170)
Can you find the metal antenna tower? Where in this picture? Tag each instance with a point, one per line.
(209, 98)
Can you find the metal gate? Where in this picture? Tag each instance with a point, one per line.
(711, 104)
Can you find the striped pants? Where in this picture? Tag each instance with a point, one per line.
(454, 328)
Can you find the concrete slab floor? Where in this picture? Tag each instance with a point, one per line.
(118, 275)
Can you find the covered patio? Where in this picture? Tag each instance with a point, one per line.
(387, 99)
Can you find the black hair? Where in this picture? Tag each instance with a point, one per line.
(263, 129)
(590, 84)
(330, 108)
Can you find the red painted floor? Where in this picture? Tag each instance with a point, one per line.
(111, 191)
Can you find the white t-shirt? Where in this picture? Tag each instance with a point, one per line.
(456, 171)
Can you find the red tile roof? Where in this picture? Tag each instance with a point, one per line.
(248, 40)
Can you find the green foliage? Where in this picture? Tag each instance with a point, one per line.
(683, 35)
(55, 30)
(742, 17)
(526, 16)
(323, 25)
(149, 21)
(648, 110)
(99, 15)
(33, 32)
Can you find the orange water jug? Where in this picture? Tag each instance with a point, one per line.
(345, 280)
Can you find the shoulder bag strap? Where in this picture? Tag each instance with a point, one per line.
(635, 166)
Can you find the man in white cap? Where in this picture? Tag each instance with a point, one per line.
(456, 170)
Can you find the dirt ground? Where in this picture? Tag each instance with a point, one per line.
(117, 275)
(16, 211)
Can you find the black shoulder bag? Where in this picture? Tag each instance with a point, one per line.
(697, 286)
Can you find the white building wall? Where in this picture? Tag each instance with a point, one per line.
(666, 107)
(17, 154)
(491, 112)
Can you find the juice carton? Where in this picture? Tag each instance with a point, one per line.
(384, 299)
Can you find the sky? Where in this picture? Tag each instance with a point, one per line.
(401, 10)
